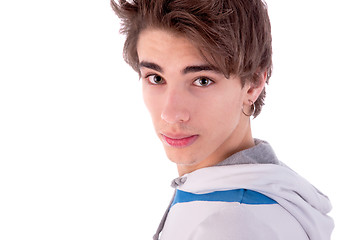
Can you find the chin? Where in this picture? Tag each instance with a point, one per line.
(182, 159)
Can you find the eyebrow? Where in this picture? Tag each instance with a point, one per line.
(188, 69)
(151, 65)
(199, 68)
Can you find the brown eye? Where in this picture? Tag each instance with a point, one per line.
(203, 82)
(155, 79)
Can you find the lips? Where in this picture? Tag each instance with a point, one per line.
(179, 141)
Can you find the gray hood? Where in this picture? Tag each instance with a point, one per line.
(258, 169)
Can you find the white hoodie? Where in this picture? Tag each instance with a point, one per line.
(249, 196)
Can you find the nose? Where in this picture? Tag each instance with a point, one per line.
(175, 109)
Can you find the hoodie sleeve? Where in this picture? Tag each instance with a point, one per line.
(242, 223)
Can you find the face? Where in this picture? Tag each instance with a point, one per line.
(196, 110)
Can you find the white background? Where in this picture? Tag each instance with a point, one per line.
(78, 156)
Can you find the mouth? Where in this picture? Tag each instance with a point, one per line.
(179, 141)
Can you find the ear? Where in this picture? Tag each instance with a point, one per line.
(255, 89)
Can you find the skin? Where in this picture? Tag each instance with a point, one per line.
(187, 97)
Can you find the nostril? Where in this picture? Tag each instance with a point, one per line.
(175, 116)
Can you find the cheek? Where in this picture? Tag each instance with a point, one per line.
(226, 109)
(154, 100)
(153, 104)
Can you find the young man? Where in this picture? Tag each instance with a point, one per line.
(204, 65)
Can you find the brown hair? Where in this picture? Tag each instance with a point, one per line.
(234, 35)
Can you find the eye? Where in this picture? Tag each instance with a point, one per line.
(155, 79)
(203, 82)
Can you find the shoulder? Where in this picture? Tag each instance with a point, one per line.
(247, 222)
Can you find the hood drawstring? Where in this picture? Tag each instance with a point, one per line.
(162, 223)
(175, 183)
